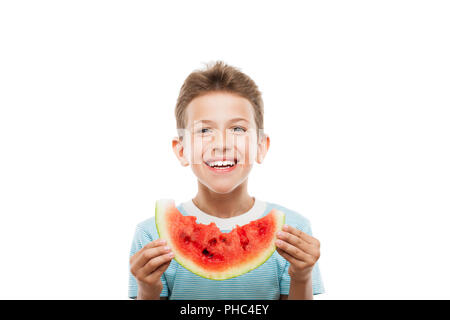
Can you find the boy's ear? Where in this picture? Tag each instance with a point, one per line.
(178, 149)
(263, 147)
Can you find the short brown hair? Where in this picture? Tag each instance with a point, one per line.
(218, 76)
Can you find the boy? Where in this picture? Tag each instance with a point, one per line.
(219, 116)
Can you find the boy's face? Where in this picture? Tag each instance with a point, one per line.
(220, 126)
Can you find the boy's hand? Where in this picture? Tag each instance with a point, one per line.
(300, 249)
(147, 265)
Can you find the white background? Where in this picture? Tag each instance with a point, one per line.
(357, 106)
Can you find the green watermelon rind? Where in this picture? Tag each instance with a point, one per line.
(163, 204)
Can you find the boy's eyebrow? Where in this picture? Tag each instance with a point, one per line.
(230, 121)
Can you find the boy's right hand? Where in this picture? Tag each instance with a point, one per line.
(147, 265)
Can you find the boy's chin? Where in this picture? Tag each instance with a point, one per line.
(222, 188)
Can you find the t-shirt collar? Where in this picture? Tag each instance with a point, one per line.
(254, 213)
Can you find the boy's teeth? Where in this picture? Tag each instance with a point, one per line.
(221, 163)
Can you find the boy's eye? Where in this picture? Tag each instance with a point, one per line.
(242, 129)
(204, 130)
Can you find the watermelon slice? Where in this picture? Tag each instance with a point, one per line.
(206, 251)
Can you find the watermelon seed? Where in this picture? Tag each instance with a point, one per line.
(207, 253)
(223, 239)
(212, 242)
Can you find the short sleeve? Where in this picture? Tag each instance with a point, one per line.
(317, 284)
(141, 238)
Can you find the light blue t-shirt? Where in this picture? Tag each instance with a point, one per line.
(266, 282)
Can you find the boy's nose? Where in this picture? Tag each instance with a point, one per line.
(223, 141)
(222, 145)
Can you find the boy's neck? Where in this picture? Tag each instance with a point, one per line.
(226, 205)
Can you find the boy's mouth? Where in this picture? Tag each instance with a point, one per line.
(221, 165)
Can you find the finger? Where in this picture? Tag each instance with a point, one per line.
(149, 254)
(293, 251)
(163, 267)
(286, 255)
(151, 244)
(291, 259)
(295, 241)
(155, 263)
(301, 234)
(154, 244)
(160, 270)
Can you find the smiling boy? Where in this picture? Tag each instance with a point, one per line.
(219, 116)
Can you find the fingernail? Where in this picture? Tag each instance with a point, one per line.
(279, 233)
(171, 255)
(278, 242)
(162, 241)
(166, 248)
(285, 227)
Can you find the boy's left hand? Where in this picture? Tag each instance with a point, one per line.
(300, 249)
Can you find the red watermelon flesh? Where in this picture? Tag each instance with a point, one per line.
(210, 253)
